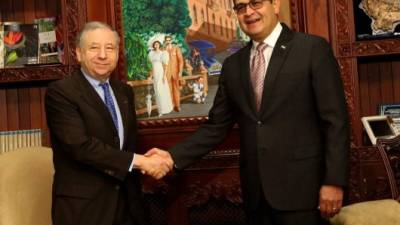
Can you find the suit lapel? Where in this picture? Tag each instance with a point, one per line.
(92, 98)
(245, 76)
(278, 57)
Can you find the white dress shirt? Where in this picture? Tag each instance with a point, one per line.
(271, 42)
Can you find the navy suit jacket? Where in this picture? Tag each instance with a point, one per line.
(91, 171)
(298, 141)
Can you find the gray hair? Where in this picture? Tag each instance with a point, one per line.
(93, 25)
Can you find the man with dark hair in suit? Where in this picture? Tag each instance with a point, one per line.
(93, 133)
(285, 93)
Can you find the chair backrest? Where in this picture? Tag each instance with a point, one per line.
(26, 177)
(389, 149)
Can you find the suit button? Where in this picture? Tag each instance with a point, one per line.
(109, 172)
(259, 122)
(116, 187)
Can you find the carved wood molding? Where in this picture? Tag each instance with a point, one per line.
(359, 188)
(218, 159)
(344, 50)
(152, 186)
(342, 15)
(389, 150)
(354, 170)
(119, 27)
(162, 123)
(369, 48)
(346, 70)
(75, 18)
(199, 194)
(376, 47)
(33, 73)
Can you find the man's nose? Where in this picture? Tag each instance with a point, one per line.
(103, 53)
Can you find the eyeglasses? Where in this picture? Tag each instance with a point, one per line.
(254, 4)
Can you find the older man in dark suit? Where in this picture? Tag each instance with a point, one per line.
(284, 91)
(93, 133)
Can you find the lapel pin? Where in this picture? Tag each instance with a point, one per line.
(283, 47)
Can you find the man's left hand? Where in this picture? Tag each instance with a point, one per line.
(330, 200)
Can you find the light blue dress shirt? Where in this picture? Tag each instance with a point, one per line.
(96, 85)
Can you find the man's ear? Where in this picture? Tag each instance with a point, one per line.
(78, 54)
(277, 6)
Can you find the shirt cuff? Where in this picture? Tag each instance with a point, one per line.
(131, 167)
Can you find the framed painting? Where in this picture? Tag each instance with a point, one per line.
(174, 51)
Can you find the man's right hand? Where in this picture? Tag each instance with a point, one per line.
(154, 163)
(163, 154)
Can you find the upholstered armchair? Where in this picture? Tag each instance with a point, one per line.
(386, 211)
(26, 177)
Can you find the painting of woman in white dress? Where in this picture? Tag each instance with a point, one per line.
(159, 61)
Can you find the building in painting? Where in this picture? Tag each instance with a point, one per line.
(212, 20)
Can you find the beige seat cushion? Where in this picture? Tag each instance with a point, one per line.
(26, 177)
(379, 212)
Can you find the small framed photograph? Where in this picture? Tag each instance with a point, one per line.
(379, 127)
(392, 110)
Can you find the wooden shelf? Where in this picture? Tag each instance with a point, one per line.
(376, 47)
(369, 48)
(34, 73)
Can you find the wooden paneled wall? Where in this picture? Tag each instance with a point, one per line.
(27, 10)
(22, 108)
(379, 82)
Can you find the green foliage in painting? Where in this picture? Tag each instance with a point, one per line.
(145, 17)
(136, 54)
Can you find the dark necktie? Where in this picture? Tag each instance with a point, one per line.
(258, 73)
(110, 103)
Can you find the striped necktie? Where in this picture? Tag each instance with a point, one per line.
(258, 73)
(110, 103)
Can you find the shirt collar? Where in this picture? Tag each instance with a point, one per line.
(95, 83)
(272, 37)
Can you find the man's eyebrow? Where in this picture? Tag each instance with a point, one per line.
(96, 43)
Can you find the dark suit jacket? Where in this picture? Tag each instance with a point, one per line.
(90, 169)
(300, 138)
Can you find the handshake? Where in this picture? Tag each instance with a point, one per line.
(156, 163)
